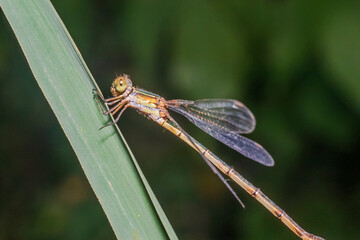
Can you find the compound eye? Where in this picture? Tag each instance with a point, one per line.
(120, 84)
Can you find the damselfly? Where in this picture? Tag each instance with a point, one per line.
(223, 119)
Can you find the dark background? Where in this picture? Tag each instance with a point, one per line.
(295, 64)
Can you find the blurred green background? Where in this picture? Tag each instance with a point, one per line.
(295, 64)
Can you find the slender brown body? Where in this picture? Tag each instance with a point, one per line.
(155, 107)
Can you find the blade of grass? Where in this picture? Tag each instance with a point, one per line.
(67, 84)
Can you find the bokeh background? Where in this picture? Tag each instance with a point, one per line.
(295, 64)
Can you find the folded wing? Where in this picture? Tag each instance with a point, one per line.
(224, 119)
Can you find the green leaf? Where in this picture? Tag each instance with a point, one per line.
(67, 84)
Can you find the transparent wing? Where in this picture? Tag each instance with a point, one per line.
(224, 120)
(227, 114)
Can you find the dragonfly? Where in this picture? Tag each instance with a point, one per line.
(223, 119)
